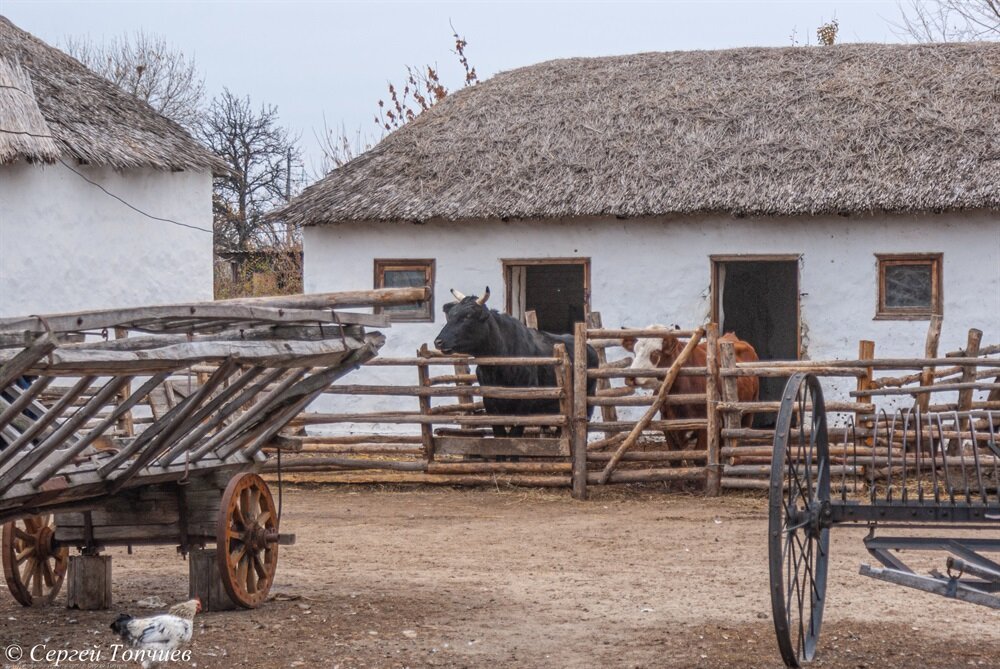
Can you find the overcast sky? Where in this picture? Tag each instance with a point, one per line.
(333, 59)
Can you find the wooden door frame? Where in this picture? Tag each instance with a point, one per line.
(717, 261)
(507, 263)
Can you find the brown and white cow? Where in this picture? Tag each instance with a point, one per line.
(656, 353)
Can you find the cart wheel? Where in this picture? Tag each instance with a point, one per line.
(32, 566)
(799, 519)
(247, 539)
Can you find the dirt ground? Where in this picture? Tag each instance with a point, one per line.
(437, 577)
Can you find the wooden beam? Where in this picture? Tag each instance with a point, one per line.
(16, 364)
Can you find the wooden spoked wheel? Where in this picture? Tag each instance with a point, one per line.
(247, 538)
(799, 519)
(33, 566)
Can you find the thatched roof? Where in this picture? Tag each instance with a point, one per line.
(72, 112)
(756, 131)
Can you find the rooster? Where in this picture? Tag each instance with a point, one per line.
(158, 635)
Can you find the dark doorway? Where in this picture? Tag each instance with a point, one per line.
(555, 291)
(759, 301)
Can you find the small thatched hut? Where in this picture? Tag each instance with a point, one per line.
(74, 149)
(804, 197)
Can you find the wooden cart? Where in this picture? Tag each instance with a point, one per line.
(146, 426)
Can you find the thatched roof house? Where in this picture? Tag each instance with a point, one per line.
(804, 198)
(767, 131)
(73, 148)
(51, 105)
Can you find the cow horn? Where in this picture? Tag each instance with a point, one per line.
(486, 296)
(458, 295)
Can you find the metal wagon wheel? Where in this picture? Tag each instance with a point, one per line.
(799, 519)
(247, 540)
(33, 566)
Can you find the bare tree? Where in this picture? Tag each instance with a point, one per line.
(265, 168)
(150, 69)
(421, 89)
(949, 20)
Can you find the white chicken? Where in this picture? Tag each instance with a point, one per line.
(158, 635)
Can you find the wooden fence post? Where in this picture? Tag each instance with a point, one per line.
(608, 413)
(578, 424)
(866, 351)
(969, 374)
(713, 464)
(731, 420)
(426, 429)
(930, 351)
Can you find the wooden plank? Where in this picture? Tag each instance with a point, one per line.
(919, 389)
(499, 467)
(284, 308)
(462, 359)
(25, 398)
(785, 371)
(282, 353)
(624, 373)
(401, 417)
(61, 435)
(882, 363)
(503, 392)
(39, 425)
(649, 475)
(646, 400)
(212, 409)
(653, 425)
(492, 446)
(291, 464)
(646, 333)
(19, 362)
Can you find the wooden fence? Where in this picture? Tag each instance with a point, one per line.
(444, 436)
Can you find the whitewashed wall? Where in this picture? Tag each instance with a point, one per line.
(658, 271)
(66, 246)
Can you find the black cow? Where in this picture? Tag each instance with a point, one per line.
(475, 329)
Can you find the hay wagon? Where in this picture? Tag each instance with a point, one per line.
(155, 435)
(921, 481)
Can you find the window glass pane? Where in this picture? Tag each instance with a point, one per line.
(405, 278)
(908, 286)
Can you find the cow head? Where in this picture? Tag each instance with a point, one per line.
(651, 353)
(467, 330)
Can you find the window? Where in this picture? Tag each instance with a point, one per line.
(909, 286)
(406, 274)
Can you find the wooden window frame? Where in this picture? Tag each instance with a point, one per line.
(935, 261)
(425, 313)
(507, 263)
(715, 287)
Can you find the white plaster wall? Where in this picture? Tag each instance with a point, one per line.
(658, 271)
(66, 246)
